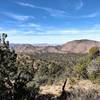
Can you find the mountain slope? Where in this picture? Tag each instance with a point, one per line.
(79, 46)
(76, 46)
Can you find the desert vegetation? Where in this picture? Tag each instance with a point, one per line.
(22, 75)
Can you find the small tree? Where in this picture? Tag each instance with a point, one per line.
(93, 70)
(81, 66)
(8, 67)
(7, 59)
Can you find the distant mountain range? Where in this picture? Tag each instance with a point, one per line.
(76, 46)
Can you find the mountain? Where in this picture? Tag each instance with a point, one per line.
(79, 46)
(76, 46)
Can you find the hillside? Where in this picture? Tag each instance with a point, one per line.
(49, 76)
(76, 46)
(79, 46)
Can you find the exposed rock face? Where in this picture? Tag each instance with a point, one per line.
(76, 46)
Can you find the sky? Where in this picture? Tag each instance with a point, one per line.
(50, 21)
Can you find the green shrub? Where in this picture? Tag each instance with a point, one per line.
(72, 81)
(94, 52)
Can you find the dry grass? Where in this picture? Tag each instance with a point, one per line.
(85, 85)
(53, 89)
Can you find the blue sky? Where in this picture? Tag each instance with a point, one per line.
(50, 21)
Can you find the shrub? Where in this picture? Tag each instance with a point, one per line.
(98, 59)
(94, 52)
(93, 70)
(72, 81)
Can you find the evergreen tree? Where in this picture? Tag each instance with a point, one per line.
(7, 59)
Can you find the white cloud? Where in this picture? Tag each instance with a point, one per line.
(60, 32)
(51, 34)
(54, 12)
(33, 29)
(29, 30)
(92, 15)
(33, 25)
(61, 13)
(80, 5)
(10, 32)
(51, 11)
(57, 13)
(18, 17)
(25, 4)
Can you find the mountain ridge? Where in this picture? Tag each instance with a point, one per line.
(75, 46)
